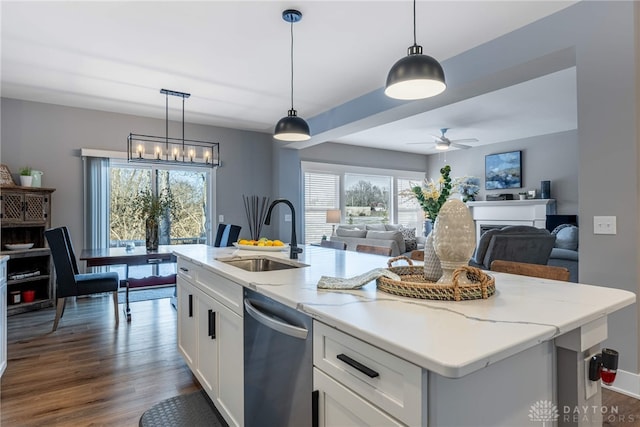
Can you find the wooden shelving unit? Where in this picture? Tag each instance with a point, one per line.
(24, 215)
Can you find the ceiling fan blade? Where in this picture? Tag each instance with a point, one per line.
(414, 143)
(465, 140)
(464, 147)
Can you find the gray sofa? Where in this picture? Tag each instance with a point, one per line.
(519, 243)
(565, 250)
(401, 240)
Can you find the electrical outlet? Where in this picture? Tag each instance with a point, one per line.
(287, 218)
(220, 218)
(604, 225)
(590, 387)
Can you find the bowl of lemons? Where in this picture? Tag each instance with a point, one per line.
(262, 244)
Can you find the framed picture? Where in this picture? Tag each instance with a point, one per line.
(5, 176)
(503, 170)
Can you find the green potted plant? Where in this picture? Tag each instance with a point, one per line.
(25, 176)
(522, 195)
(151, 207)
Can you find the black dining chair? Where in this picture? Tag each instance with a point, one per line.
(226, 235)
(69, 282)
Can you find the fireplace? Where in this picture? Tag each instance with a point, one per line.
(499, 214)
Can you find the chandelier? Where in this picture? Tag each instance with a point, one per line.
(167, 150)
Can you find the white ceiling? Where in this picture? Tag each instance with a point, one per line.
(233, 57)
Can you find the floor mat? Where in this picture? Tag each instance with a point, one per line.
(188, 410)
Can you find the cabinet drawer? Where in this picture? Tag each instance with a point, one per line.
(390, 383)
(224, 290)
(339, 406)
(187, 270)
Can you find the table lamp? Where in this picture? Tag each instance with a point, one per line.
(333, 217)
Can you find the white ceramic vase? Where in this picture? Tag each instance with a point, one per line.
(454, 238)
(432, 269)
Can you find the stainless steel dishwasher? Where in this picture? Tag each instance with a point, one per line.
(278, 364)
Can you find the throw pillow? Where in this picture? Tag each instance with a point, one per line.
(410, 245)
(388, 235)
(566, 237)
(344, 232)
(392, 227)
(407, 233)
(377, 227)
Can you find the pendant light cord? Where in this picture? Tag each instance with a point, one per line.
(292, 65)
(414, 22)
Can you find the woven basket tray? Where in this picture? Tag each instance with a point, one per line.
(414, 285)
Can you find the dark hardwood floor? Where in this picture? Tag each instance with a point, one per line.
(88, 373)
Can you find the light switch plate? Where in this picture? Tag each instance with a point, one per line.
(220, 218)
(604, 225)
(287, 218)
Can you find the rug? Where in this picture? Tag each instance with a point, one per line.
(187, 410)
(147, 294)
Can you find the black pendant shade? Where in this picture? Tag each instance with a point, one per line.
(415, 76)
(292, 128)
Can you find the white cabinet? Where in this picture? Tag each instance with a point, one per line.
(360, 384)
(187, 341)
(3, 314)
(339, 406)
(210, 336)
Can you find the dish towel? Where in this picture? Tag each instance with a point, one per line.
(327, 282)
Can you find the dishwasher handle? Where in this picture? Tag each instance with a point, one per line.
(277, 325)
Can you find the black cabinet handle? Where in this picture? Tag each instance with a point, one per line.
(357, 365)
(184, 269)
(315, 421)
(212, 324)
(190, 305)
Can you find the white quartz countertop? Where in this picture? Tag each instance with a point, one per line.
(447, 337)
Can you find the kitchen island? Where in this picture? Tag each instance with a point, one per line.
(483, 362)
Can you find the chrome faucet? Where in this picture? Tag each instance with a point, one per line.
(294, 250)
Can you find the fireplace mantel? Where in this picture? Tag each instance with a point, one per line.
(512, 212)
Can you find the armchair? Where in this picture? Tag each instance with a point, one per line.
(69, 282)
(518, 243)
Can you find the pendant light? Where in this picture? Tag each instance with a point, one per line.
(172, 151)
(415, 76)
(292, 127)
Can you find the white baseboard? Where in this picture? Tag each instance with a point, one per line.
(626, 383)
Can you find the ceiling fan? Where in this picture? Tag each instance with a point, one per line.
(443, 143)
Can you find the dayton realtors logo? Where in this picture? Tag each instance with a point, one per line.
(544, 411)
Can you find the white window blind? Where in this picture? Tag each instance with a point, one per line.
(321, 193)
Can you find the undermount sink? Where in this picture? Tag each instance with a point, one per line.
(260, 263)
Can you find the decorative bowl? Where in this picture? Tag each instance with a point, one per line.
(18, 246)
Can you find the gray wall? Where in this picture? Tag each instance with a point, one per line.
(49, 138)
(548, 157)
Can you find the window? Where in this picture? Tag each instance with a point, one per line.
(367, 198)
(111, 184)
(188, 188)
(364, 196)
